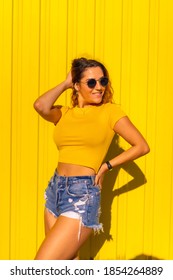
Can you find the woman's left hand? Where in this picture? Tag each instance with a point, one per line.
(100, 175)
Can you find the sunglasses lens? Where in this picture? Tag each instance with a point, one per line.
(91, 83)
(104, 81)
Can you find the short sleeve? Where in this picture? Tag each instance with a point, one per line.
(115, 114)
(64, 109)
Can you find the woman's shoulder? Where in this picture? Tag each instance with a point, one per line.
(115, 113)
(114, 110)
(112, 106)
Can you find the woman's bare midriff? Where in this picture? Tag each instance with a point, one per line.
(68, 169)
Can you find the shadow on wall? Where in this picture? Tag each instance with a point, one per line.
(145, 257)
(94, 244)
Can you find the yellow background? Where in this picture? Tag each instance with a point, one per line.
(134, 39)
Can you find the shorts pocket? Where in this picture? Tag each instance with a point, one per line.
(77, 189)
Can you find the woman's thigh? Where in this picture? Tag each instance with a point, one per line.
(62, 241)
(49, 220)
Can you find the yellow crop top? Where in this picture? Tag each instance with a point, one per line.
(83, 135)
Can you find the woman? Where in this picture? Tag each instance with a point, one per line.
(82, 134)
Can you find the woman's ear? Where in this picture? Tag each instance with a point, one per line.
(76, 86)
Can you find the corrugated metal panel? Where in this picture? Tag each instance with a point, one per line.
(5, 120)
(135, 40)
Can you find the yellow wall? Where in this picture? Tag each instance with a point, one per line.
(38, 40)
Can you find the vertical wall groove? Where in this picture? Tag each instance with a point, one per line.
(10, 171)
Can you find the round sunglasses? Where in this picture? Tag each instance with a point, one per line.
(91, 83)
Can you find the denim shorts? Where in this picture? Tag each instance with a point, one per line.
(75, 197)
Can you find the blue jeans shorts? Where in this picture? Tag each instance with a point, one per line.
(75, 197)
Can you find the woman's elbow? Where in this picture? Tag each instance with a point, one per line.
(145, 149)
(38, 106)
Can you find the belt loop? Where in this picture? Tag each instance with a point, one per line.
(93, 179)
